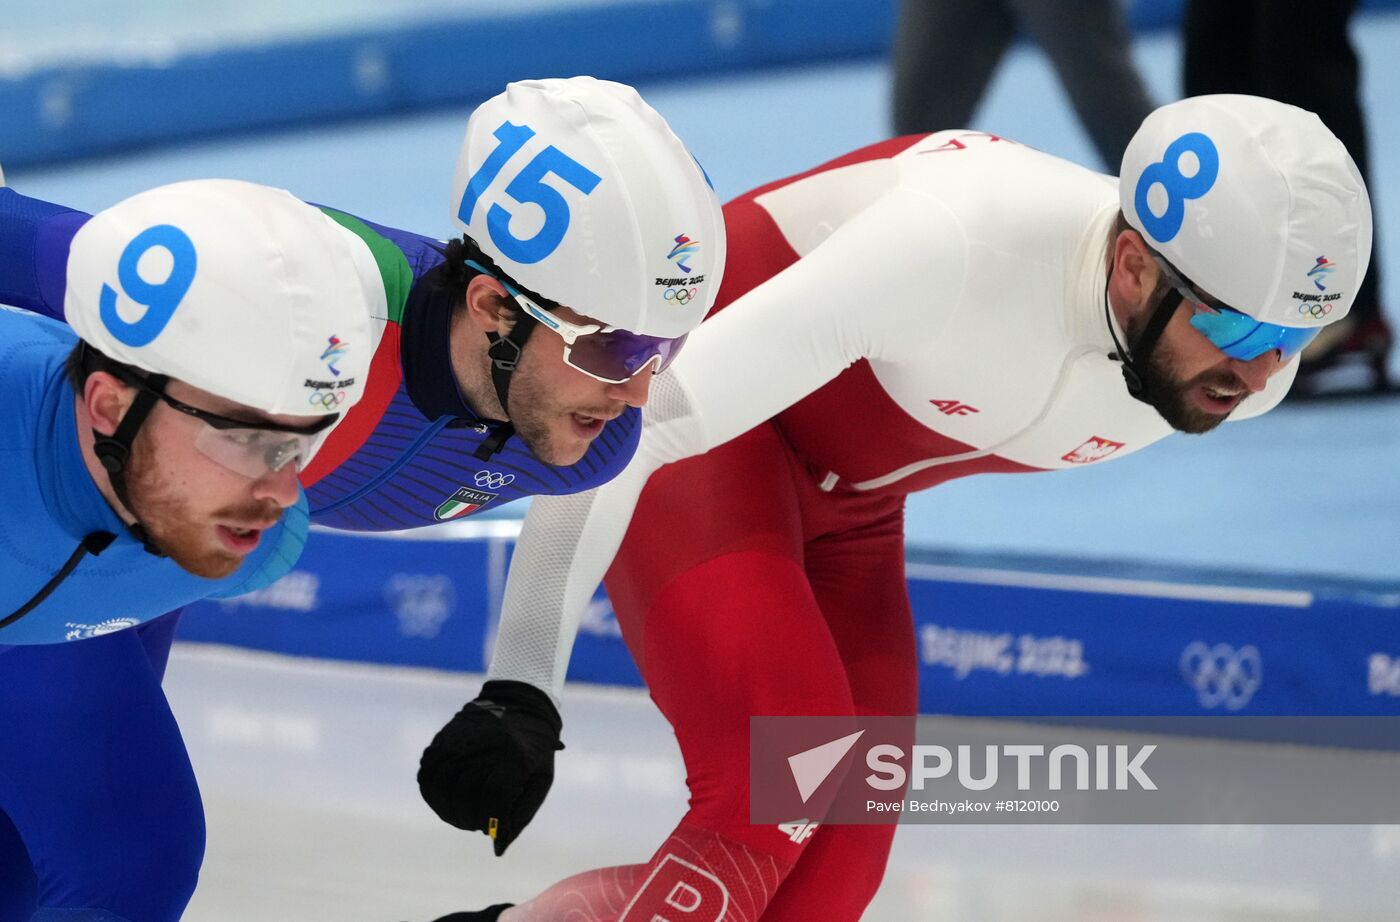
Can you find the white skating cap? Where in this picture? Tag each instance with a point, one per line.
(1254, 201)
(239, 289)
(580, 192)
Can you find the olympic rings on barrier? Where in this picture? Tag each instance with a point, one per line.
(326, 399)
(1222, 675)
(682, 295)
(493, 481)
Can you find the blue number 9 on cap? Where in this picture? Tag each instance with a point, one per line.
(160, 299)
(1179, 187)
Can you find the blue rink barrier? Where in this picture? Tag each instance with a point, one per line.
(997, 636)
(56, 111)
(81, 109)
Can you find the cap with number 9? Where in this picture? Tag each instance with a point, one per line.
(238, 289)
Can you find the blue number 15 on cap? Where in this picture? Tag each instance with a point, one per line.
(528, 187)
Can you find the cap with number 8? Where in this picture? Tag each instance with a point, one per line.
(1253, 201)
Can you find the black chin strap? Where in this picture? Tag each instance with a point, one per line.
(114, 452)
(1136, 366)
(505, 354)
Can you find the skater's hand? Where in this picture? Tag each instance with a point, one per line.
(489, 914)
(490, 768)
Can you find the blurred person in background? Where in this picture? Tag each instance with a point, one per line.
(1301, 54)
(945, 52)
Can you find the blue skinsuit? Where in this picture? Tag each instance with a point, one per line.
(407, 456)
(67, 706)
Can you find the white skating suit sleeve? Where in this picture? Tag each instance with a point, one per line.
(850, 298)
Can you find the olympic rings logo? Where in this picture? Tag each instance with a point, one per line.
(1222, 675)
(1315, 309)
(681, 295)
(493, 481)
(326, 399)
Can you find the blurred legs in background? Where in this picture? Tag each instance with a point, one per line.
(1299, 54)
(945, 52)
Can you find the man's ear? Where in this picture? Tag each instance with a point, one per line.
(1135, 272)
(106, 399)
(489, 306)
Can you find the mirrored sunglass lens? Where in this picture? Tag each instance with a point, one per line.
(1292, 340)
(670, 348)
(1242, 337)
(618, 355)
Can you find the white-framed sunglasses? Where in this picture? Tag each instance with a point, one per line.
(605, 353)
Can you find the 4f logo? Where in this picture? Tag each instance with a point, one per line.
(954, 144)
(799, 831)
(954, 408)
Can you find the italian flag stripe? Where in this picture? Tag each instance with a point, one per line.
(453, 508)
(393, 265)
(385, 374)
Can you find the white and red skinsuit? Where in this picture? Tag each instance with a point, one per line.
(919, 310)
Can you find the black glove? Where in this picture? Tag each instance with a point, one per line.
(494, 761)
(489, 914)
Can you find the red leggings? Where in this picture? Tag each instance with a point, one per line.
(742, 589)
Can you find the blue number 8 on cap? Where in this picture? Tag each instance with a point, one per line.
(1178, 186)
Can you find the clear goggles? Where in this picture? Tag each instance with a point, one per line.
(604, 353)
(1234, 332)
(253, 450)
